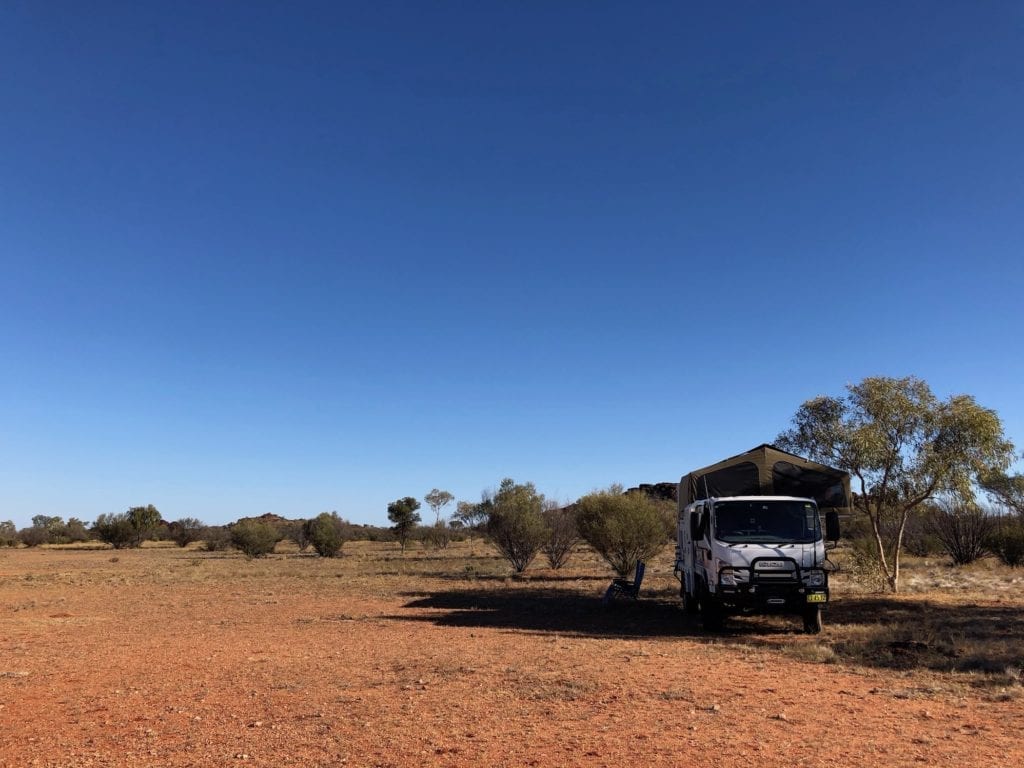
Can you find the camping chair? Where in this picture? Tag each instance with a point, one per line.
(624, 587)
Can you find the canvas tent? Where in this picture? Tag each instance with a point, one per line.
(768, 471)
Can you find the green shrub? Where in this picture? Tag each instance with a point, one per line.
(515, 524)
(254, 538)
(622, 528)
(34, 536)
(562, 535)
(1007, 543)
(963, 529)
(116, 529)
(215, 538)
(438, 535)
(185, 531)
(8, 534)
(327, 533)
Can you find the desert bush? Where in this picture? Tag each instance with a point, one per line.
(438, 535)
(861, 566)
(1007, 542)
(363, 532)
(963, 529)
(76, 530)
(622, 528)
(562, 535)
(515, 524)
(327, 533)
(8, 534)
(185, 531)
(33, 536)
(919, 538)
(115, 529)
(254, 538)
(296, 531)
(215, 538)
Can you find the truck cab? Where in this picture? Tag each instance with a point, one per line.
(752, 554)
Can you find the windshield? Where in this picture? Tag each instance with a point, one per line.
(767, 522)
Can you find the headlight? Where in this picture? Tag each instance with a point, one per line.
(814, 578)
(727, 577)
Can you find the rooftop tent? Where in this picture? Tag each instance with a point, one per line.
(766, 471)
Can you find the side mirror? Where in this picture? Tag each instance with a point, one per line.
(832, 525)
(694, 526)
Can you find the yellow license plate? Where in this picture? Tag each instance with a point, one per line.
(818, 597)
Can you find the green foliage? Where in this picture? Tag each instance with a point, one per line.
(215, 538)
(1007, 542)
(116, 529)
(327, 533)
(622, 528)
(402, 513)
(437, 500)
(185, 531)
(1004, 489)
(52, 528)
(562, 536)
(473, 515)
(296, 531)
(902, 447)
(963, 529)
(144, 521)
(33, 536)
(918, 539)
(255, 538)
(8, 534)
(438, 535)
(515, 524)
(76, 530)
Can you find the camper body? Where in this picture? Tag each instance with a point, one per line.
(744, 547)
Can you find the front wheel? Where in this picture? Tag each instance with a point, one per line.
(690, 604)
(712, 613)
(812, 619)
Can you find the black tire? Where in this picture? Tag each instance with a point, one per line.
(712, 615)
(812, 619)
(690, 604)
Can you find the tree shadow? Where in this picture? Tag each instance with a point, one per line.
(917, 632)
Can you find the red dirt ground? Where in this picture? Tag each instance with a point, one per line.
(172, 658)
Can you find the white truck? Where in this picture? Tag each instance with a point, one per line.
(749, 536)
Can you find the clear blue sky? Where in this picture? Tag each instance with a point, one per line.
(295, 257)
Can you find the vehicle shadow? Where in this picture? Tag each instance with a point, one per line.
(552, 611)
(873, 631)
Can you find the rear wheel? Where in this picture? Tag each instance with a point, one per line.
(812, 619)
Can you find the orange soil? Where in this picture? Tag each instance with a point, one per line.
(170, 658)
